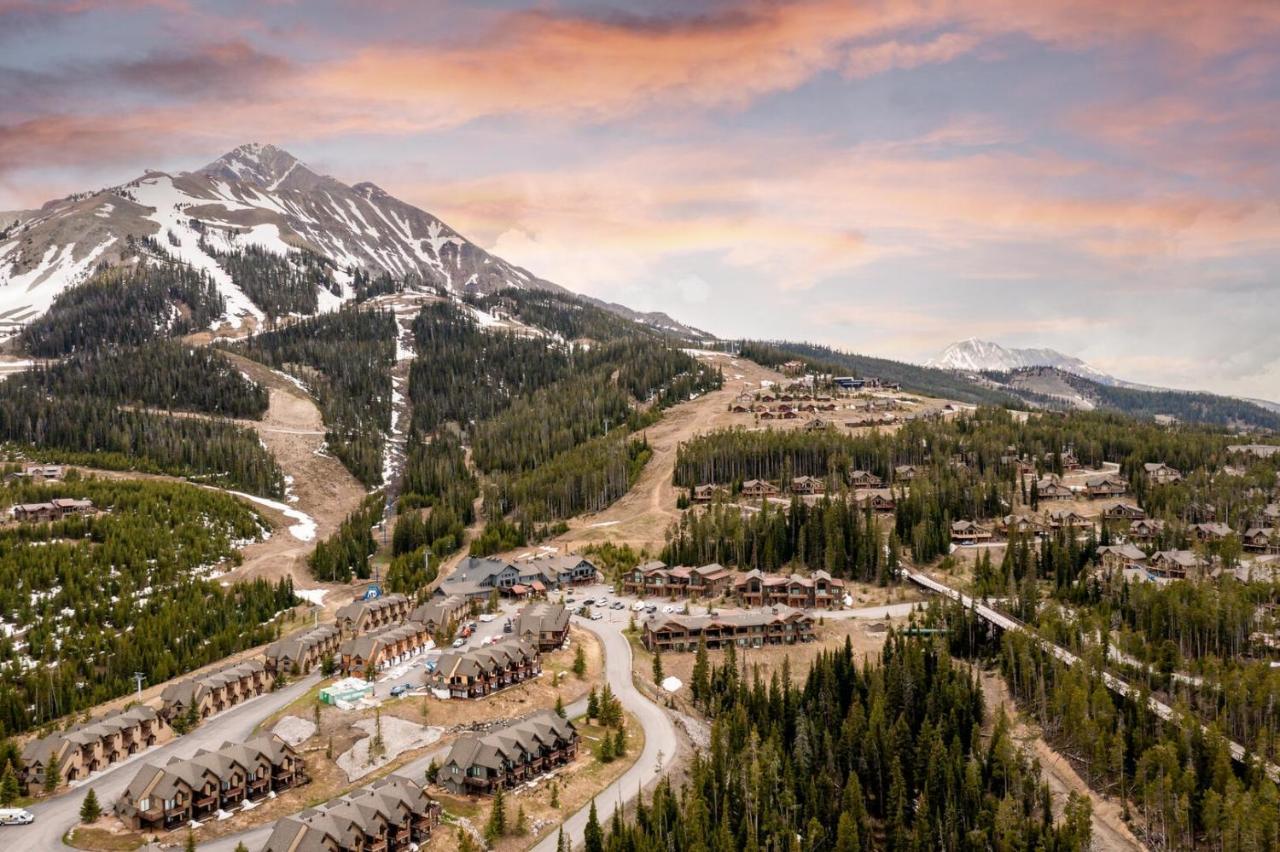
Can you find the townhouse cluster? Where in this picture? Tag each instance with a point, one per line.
(779, 625)
(391, 814)
(164, 796)
(513, 754)
(754, 588)
(206, 694)
(479, 672)
(478, 578)
(84, 749)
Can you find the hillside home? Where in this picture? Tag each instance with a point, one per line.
(1067, 519)
(1262, 451)
(758, 488)
(479, 765)
(807, 485)
(1023, 525)
(1159, 473)
(484, 671)
(170, 795)
(217, 690)
(905, 472)
(879, 502)
(1260, 540)
(755, 628)
(1050, 488)
(1176, 565)
(864, 479)
(476, 578)
(300, 653)
(1145, 530)
(1210, 532)
(1123, 513)
(707, 492)
(968, 532)
(1106, 486)
(1116, 558)
(390, 815)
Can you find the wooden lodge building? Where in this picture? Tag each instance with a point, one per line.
(370, 652)
(362, 616)
(543, 625)
(509, 756)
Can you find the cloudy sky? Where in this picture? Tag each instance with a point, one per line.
(1102, 177)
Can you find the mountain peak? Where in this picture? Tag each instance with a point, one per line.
(975, 355)
(262, 165)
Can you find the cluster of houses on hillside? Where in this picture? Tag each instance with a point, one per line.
(750, 588)
(476, 578)
(509, 756)
(84, 749)
(361, 655)
(779, 625)
(38, 473)
(389, 815)
(803, 486)
(169, 795)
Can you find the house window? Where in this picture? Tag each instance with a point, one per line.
(144, 804)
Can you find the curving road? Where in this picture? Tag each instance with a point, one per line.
(660, 741)
(54, 817)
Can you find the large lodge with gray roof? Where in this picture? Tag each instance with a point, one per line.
(509, 756)
(476, 578)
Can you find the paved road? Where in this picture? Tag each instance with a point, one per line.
(660, 743)
(56, 816)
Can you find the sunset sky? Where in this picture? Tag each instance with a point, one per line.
(1097, 176)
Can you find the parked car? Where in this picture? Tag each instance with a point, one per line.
(596, 616)
(399, 689)
(487, 617)
(651, 608)
(668, 609)
(459, 642)
(508, 627)
(637, 606)
(16, 816)
(589, 602)
(618, 605)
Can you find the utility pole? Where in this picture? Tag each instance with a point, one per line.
(139, 677)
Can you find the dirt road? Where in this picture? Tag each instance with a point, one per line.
(641, 518)
(1110, 832)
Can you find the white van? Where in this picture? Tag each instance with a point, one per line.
(16, 816)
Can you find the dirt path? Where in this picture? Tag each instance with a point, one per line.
(1110, 832)
(642, 516)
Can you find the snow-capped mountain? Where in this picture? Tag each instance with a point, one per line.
(974, 355)
(255, 195)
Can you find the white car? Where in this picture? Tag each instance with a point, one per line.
(637, 606)
(596, 616)
(668, 609)
(487, 617)
(16, 816)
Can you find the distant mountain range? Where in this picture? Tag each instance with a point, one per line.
(256, 196)
(974, 355)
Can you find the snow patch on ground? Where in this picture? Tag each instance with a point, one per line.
(398, 736)
(294, 730)
(315, 597)
(303, 530)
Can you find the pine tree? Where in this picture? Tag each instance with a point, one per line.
(562, 845)
(593, 705)
(190, 845)
(580, 662)
(465, 843)
(620, 743)
(701, 678)
(497, 825)
(522, 823)
(555, 795)
(658, 676)
(560, 706)
(90, 810)
(605, 752)
(593, 835)
(52, 773)
(240, 847)
(8, 786)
